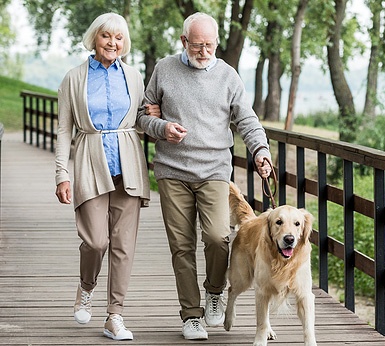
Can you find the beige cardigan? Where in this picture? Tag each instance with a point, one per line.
(91, 174)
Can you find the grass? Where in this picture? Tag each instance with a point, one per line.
(11, 109)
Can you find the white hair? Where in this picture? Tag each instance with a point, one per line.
(112, 23)
(198, 16)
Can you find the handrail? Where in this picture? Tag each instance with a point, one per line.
(40, 110)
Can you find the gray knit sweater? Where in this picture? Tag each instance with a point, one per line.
(204, 102)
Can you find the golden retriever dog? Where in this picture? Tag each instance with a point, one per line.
(272, 253)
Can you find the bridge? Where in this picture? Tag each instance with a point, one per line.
(39, 271)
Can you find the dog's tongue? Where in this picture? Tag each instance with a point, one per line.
(288, 252)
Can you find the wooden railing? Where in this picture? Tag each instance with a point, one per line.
(290, 149)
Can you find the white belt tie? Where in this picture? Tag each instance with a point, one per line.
(109, 131)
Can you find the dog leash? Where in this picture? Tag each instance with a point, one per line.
(265, 182)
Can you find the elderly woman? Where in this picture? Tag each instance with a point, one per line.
(100, 98)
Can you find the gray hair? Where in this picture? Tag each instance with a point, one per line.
(112, 23)
(198, 16)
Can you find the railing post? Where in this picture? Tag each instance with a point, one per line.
(322, 224)
(52, 119)
(300, 177)
(44, 124)
(349, 235)
(24, 118)
(30, 99)
(379, 246)
(282, 173)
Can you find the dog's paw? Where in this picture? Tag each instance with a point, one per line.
(260, 343)
(271, 335)
(228, 323)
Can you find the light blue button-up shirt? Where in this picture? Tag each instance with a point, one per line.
(186, 61)
(108, 102)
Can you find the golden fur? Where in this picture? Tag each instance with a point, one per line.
(272, 253)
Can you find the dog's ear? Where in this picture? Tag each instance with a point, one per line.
(267, 223)
(308, 224)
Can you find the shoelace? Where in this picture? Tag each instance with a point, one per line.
(86, 299)
(117, 320)
(194, 325)
(215, 301)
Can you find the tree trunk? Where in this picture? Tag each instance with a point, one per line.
(258, 105)
(274, 90)
(295, 62)
(149, 62)
(372, 78)
(341, 88)
(273, 99)
(236, 39)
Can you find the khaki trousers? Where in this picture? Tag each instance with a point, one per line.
(109, 221)
(181, 202)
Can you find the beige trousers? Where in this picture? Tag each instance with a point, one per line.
(109, 221)
(181, 203)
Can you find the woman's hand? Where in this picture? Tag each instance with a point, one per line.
(63, 192)
(153, 110)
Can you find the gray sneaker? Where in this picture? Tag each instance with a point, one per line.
(215, 310)
(82, 307)
(193, 330)
(115, 329)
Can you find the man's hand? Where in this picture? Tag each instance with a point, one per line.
(63, 192)
(263, 165)
(174, 132)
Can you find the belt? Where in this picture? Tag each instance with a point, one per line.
(109, 131)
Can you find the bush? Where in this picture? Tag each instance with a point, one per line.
(372, 134)
(363, 242)
(321, 119)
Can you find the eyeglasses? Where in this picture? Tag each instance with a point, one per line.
(197, 47)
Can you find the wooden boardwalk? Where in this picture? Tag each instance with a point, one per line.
(39, 275)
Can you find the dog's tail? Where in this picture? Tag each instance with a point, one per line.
(240, 210)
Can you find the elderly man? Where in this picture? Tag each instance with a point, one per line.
(199, 96)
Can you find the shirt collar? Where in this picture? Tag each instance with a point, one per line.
(186, 61)
(94, 64)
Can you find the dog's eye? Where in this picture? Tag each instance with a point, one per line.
(297, 223)
(279, 222)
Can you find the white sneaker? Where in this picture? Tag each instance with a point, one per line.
(115, 329)
(82, 307)
(215, 310)
(193, 330)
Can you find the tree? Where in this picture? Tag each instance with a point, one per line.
(347, 112)
(376, 8)
(151, 37)
(232, 29)
(10, 65)
(295, 62)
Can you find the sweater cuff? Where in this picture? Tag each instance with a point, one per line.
(263, 151)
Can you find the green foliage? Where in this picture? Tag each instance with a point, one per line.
(372, 134)
(11, 110)
(322, 119)
(363, 238)
(151, 154)
(149, 34)
(10, 66)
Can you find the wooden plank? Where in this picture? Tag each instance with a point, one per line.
(39, 275)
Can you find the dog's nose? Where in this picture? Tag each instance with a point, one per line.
(289, 239)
